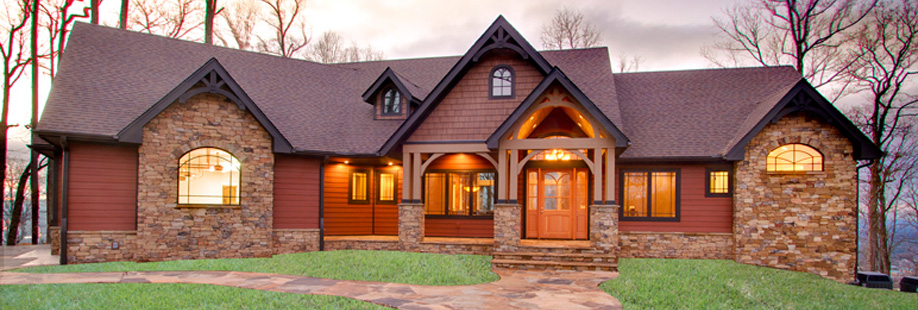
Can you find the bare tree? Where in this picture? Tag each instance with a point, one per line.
(171, 18)
(805, 34)
(629, 64)
(330, 48)
(239, 22)
(884, 62)
(210, 12)
(56, 21)
(569, 29)
(15, 53)
(288, 29)
(123, 16)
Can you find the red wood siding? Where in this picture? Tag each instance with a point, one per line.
(466, 228)
(697, 214)
(343, 218)
(385, 215)
(466, 113)
(103, 187)
(296, 192)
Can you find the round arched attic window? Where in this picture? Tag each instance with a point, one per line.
(391, 102)
(501, 82)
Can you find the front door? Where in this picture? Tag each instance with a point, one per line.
(557, 201)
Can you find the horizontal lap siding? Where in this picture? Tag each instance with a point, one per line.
(467, 228)
(385, 216)
(296, 192)
(697, 212)
(343, 218)
(102, 194)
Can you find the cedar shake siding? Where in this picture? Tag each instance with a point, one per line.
(698, 214)
(371, 218)
(103, 187)
(467, 113)
(296, 192)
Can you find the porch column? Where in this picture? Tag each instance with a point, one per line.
(513, 176)
(407, 177)
(410, 226)
(507, 227)
(502, 175)
(604, 228)
(597, 177)
(416, 178)
(610, 175)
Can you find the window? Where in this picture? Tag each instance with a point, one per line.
(388, 187)
(717, 183)
(357, 189)
(650, 195)
(459, 193)
(794, 158)
(392, 102)
(501, 82)
(208, 176)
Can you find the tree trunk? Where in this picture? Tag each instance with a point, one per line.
(209, 13)
(875, 183)
(16, 215)
(33, 180)
(124, 14)
(94, 11)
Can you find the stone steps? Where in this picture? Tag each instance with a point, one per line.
(554, 259)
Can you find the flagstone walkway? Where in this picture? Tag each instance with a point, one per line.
(516, 289)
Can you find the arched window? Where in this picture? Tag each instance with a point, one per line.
(501, 82)
(208, 176)
(391, 102)
(793, 158)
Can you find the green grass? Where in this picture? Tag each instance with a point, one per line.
(163, 296)
(719, 284)
(379, 266)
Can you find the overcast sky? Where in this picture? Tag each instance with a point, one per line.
(666, 34)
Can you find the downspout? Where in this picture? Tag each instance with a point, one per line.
(64, 198)
(322, 203)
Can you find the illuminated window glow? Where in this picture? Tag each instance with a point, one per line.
(649, 194)
(208, 176)
(719, 182)
(794, 158)
(459, 193)
(358, 187)
(387, 186)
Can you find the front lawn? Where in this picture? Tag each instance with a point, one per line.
(720, 284)
(381, 266)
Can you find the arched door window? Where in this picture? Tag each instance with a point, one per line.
(209, 176)
(794, 158)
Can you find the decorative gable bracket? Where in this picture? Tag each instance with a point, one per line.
(209, 78)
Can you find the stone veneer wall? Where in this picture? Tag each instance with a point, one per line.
(55, 234)
(507, 227)
(410, 226)
(676, 245)
(167, 231)
(295, 240)
(98, 246)
(371, 245)
(604, 233)
(798, 221)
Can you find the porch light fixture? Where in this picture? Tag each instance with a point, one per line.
(390, 163)
(557, 154)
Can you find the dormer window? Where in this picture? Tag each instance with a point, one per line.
(501, 82)
(391, 102)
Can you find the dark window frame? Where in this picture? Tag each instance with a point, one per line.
(178, 173)
(822, 166)
(512, 83)
(384, 102)
(446, 190)
(379, 200)
(707, 182)
(648, 218)
(350, 186)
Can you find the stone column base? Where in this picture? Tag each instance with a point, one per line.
(507, 227)
(54, 235)
(410, 226)
(604, 228)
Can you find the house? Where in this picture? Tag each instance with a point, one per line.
(165, 149)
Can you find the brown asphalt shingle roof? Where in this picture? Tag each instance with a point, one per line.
(109, 77)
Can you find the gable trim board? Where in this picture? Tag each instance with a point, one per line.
(556, 75)
(208, 74)
(863, 147)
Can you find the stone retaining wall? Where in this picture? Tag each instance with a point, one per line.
(99, 246)
(676, 245)
(295, 240)
(798, 221)
(374, 245)
(456, 248)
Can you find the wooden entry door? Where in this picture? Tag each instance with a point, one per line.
(557, 200)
